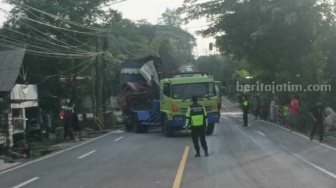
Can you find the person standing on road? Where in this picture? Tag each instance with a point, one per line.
(76, 126)
(294, 107)
(196, 117)
(68, 125)
(257, 104)
(245, 107)
(48, 123)
(286, 114)
(273, 111)
(317, 114)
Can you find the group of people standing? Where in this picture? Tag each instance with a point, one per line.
(290, 113)
(71, 124)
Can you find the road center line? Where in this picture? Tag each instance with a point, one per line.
(85, 155)
(311, 164)
(261, 133)
(179, 175)
(116, 140)
(26, 182)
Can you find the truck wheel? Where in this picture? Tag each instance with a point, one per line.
(138, 128)
(210, 129)
(169, 132)
(135, 123)
(128, 123)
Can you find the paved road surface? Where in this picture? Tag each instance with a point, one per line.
(260, 156)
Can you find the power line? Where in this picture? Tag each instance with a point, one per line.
(53, 54)
(14, 41)
(83, 44)
(59, 18)
(70, 30)
(51, 76)
(68, 45)
(117, 2)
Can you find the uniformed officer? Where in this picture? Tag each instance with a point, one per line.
(196, 117)
(245, 107)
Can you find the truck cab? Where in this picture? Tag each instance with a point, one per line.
(176, 93)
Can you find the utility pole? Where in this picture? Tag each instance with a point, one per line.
(100, 79)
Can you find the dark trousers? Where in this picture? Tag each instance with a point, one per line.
(317, 125)
(68, 132)
(245, 117)
(199, 132)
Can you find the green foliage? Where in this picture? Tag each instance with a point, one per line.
(63, 38)
(282, 41)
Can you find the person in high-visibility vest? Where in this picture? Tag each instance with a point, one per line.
(245, 107)
(286, 114)
(196, 117)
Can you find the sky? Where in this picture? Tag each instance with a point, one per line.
(150, 10)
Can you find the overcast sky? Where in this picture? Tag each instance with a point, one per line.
(150, 10)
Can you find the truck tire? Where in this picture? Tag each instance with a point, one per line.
(128, 123)
(135, 123)
(210, 129)
(138, 128)
(167, 131)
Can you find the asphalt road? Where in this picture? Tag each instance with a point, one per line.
(259, 156)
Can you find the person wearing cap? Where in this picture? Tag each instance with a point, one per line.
(196, 117)
(317, 114)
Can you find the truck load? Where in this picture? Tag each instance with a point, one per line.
(139, 96)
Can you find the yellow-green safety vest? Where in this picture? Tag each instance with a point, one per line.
(196, 116)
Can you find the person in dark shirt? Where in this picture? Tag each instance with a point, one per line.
(76, 126)
(68, 126)
(317, 114)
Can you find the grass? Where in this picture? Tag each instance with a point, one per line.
(40, 148)
(7, 159)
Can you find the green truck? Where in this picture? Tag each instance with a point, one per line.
(176, 93)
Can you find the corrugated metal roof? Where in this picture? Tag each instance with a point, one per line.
(10, 64)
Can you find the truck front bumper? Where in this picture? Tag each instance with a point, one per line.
(179, 120)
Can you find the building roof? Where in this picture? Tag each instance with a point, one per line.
(10, 64)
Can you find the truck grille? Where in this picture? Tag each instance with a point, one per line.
(207, 108)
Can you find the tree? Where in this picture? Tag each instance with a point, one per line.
(60, 40)
(281, 41)
(170, 17)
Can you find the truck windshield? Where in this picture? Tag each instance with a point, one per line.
(186, 91)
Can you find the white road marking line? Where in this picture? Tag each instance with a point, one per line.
(85, 155)
(310, 163)
(303, 136)
(240, 120)
(261, 133)
(53, 154)
(227, 100)
(118, 131)
(26, 182)
(116, 140)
